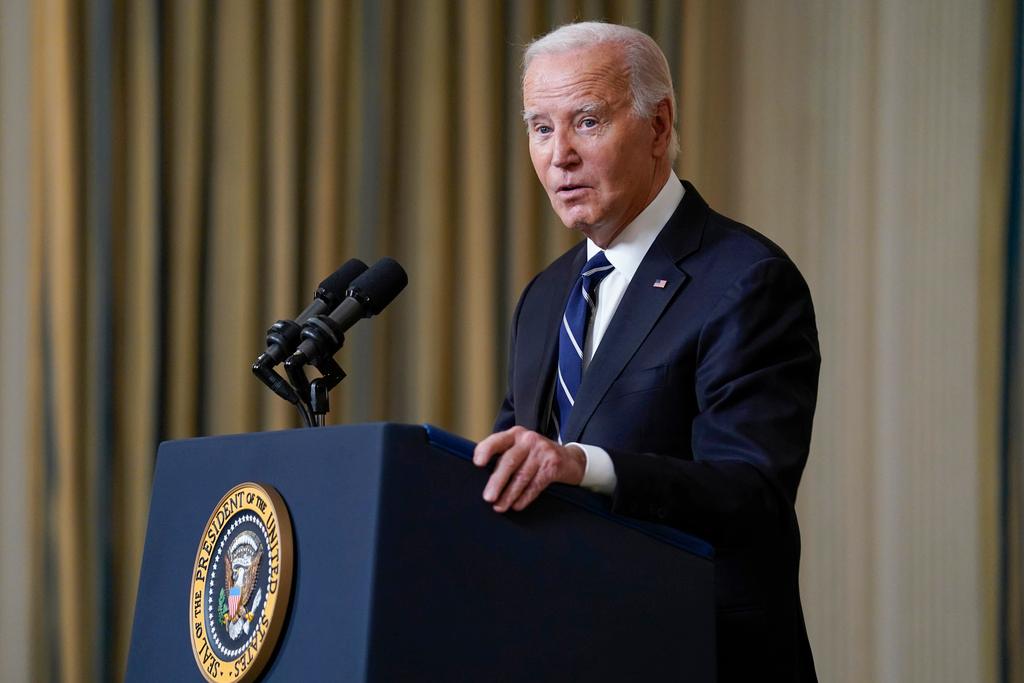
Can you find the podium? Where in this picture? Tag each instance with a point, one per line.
(403, 573)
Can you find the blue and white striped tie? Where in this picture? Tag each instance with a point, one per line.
(572, 335)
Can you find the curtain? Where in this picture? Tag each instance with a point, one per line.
(197, 167)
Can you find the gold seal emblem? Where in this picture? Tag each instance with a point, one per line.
(241, 583)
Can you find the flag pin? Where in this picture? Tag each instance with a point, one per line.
(660, 284)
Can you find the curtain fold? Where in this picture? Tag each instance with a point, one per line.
(63, 489)
(185, 90)
(283, 158)
(19, 551)
(1011, 518)
(475, 293)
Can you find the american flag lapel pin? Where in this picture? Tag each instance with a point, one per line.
(660, 284)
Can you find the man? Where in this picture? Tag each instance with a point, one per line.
(670, 361)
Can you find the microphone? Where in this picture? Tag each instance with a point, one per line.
(367, 295)
(285, 335)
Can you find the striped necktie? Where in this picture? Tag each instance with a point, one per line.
(572, 335)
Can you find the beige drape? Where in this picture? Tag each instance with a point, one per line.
(196, 167)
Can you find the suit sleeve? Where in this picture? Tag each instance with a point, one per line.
(756, 383)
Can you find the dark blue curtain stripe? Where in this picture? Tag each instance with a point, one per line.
(165, 105)
(51, 591)
(368, 240)
(304, 69)
(512, 136)
(1011, 494)
(99, 216)
(157, 289)
(261, 85)
(206, 42)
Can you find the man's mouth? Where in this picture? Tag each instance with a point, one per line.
(570, 189)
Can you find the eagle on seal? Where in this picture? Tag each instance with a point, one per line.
(241, 566)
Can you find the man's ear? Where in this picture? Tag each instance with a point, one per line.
(661, 125)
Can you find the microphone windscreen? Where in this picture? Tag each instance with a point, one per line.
(379, 285)
(333, 288)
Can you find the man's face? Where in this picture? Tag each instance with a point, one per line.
(596, 159)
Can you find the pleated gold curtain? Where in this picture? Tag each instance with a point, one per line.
(197, 167)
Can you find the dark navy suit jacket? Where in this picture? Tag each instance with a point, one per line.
(703, 394)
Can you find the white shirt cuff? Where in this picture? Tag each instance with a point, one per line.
(599, 474)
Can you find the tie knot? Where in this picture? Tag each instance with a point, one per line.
(595, 270)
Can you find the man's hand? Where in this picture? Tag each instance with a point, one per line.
(528, 463)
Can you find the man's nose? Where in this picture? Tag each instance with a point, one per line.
(565, 155)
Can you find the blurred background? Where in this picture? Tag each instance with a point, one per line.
(176, 175)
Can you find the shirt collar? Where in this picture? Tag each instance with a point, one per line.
(631, 245)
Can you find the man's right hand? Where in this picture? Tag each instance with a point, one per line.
(528, 463)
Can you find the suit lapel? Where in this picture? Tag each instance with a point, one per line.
(640, 308)
(540, 402)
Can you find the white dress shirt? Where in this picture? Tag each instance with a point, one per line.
(625, 253)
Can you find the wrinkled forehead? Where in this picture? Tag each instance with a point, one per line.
(596, 74)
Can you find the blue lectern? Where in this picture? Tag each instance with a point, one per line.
(403, 573)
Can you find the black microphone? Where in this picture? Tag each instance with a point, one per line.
(368, 295)
(285, 335)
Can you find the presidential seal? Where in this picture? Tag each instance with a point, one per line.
(241, 583)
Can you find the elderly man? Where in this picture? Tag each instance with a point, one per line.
(670, 361)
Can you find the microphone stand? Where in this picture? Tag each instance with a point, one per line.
(315, 393)
(270, 377)
(319, 389)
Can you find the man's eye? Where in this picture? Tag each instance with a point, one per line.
(543, 130)
(588, 122)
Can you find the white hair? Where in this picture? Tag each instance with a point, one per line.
(650, 80)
